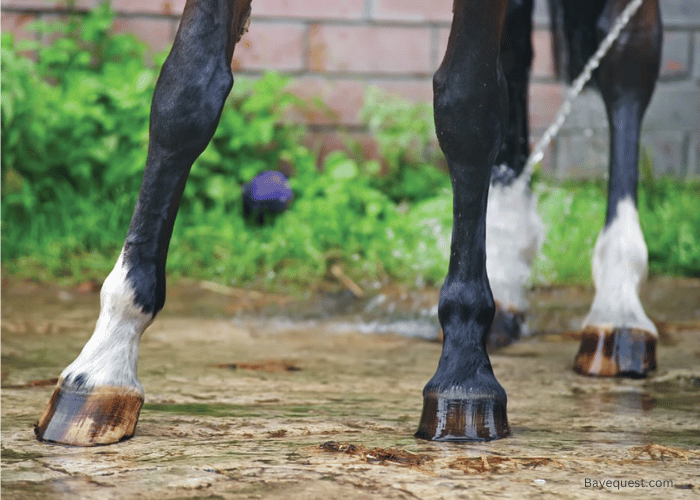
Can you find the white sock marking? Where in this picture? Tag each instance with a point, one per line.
(514, 235)
(619, 270)
(110, 357)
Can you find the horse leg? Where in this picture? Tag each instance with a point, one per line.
(99, 397)
(618, 337)
(463, 400)
(516, 60)
(513, 227)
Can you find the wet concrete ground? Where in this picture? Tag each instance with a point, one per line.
(325, 396)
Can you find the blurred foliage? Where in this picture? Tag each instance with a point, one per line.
(74, 129)
(574, 213)
(74, 139)
(405, 135)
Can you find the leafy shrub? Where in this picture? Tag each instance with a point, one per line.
(74, 131)
(75, 135)
(670, 217)
(574, 214)
(74, 138)
(405, 134)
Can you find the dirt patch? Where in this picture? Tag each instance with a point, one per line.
(377, 455)
(323, 402)
(482, 464)
(268, 365)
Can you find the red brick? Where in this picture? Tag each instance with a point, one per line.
(311, 9)
(343, 97)
(443, 35)
(369, 49)
(271, 46)
(325, 142)
(16, 24)
(46, 4)
(413, 10)
(542, 64)
(413, 90)
(545, 99)
(165, 7)
(158, 34)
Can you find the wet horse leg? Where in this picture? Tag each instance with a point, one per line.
(618, 337)
(516, 59)
(463, 400)
(99, 397)
(514, 230)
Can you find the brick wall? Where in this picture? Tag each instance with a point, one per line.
(336, 49)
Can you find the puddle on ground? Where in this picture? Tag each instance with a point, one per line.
(255, 396)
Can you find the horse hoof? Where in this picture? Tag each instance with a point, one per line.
(462, 419)
(616, 352)
(101, 416)
(507, 327)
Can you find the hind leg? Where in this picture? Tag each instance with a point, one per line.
(463, 400)
(618, 338)
(516, 60)
(99, 397)
(514, 229)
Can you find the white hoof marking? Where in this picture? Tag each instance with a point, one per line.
(514, 235)
(619, 271)
(110, 357)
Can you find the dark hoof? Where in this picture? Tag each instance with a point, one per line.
(617, 352)
(451, 419)
(104, 415)
(507, 327)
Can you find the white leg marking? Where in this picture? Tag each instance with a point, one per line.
(514, 234)
(110, 356)
(619, 271)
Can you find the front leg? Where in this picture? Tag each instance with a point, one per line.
(463, 400)
(99, 397)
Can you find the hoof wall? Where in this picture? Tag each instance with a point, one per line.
(102, 416)
(448, 419)
(619, 352)
(507, 327)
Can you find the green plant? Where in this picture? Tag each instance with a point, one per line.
(405, 134)
(670, 217)
(75, 134)
(574, 214)
(74, 137)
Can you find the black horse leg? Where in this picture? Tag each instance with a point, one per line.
(463, 400)
(516, 59)
(513, 231)
(618, 338)
(99, 397)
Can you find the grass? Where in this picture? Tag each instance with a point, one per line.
(74, 137)
(371, 241)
